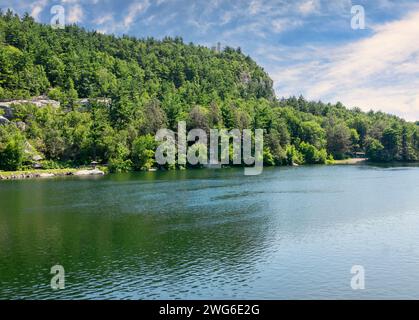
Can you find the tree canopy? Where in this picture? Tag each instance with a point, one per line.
(137, 86)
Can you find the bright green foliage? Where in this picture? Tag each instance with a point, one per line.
(12, 148)
(294, 156)
(338, 140)
(375, 149)
(311, 154)
(143, 152)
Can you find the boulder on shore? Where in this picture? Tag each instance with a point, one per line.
(3, 120)
(7, 110)
(89, 172)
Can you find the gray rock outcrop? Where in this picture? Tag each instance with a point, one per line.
(41, 101)
(4, 120)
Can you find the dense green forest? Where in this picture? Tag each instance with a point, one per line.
(137, 86)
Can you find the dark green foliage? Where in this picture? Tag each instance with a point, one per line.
(338, 140)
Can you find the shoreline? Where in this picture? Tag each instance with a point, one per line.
(39, 174)
(53, 173)
(100, 171)
(350, 161)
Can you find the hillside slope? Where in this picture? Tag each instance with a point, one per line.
(36, 58)
(115, 93)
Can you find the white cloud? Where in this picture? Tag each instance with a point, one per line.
(134, 10)
(107, 18)
(253, 28)
(226, 17)
(255, 7)
(380, 72)
(74, 13)
(37, 7)
(309, 6)
(283, 24)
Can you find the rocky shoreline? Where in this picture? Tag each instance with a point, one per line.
(47, 174)
(351, 161)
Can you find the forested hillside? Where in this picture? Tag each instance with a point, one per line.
(137, 86)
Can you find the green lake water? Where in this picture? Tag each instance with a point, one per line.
(213, 234)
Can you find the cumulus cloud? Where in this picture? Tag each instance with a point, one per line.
(134, 10)
(102, 19)
(284, 24)
(74, 13)
(37, 7)
(308, 7)
(255, 7)
(380, 71)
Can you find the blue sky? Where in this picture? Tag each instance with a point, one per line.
(307, 46)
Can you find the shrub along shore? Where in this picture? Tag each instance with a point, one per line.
(45, 173)
(30, 174)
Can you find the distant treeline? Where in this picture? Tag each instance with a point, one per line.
(150, 84)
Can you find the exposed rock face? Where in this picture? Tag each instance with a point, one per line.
(7, 110)
(40, 102)
(37, 157)
(86, 101)
(21, 125)
(32, 152)
(3, 120)
(43, 101)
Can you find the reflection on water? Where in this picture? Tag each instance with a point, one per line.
(213, 234)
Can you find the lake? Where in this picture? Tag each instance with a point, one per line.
(290, 233)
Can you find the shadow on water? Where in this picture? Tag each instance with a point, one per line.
(123, 236)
